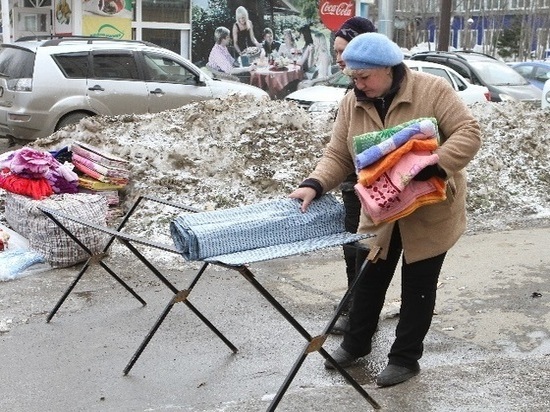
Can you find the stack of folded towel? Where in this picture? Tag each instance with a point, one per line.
(101, 173)
(388, 160)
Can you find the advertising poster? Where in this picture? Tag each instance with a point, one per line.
(63, 17)
(281, 42)
(107, 18)
(335, 12)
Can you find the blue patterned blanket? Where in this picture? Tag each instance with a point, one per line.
(261, 231)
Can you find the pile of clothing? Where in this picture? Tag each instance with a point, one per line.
(36, 174)
(387, 162)
(78, 168)
(78, 180)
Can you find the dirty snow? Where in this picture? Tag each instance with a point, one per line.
(236, 151)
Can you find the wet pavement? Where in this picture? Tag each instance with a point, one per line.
(488, 348)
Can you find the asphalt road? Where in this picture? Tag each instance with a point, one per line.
(488, 348)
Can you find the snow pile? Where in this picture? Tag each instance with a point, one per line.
(211, 154)
(236, 151)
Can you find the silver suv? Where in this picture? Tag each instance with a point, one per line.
(48, 84)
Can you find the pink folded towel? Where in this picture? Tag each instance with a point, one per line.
(395, 191)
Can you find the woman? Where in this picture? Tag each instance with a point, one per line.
(386, 94)
(243, 31)
(289, 49)
(220, 59)
(321, 60)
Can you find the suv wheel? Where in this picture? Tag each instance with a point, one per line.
(71, 118)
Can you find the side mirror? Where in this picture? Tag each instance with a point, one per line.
(201, 80)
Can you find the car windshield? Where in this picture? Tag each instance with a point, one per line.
(497, 74)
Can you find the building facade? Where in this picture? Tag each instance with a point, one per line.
(477, 24)
(164, 22)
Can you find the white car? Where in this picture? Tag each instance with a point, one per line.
(327, 95)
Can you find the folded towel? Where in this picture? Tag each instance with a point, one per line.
(99, 156)
(383, 202)
(369, 139)
(422, 129)
(102, 170)
(368, 175)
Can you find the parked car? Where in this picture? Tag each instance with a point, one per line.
(326, 96)
(503, 82)
(48, 84)
(545, 101)
(536, 73)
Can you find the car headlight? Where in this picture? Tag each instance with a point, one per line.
(323, 106)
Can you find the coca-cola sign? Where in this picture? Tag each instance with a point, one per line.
(335, 12)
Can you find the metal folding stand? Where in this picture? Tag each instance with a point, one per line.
(314, 343)
(97, 258)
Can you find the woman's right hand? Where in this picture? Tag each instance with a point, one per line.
(305, 194)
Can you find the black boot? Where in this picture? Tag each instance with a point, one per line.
(342, 324)
(354, 255)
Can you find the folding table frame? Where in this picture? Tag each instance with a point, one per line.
(314, 343)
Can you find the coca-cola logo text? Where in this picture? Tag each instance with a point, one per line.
(342, 9)
(334, 13)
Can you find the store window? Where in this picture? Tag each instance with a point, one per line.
(37, 3)
(169, 11)
(169, 39)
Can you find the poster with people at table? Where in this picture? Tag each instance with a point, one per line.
(274, 45)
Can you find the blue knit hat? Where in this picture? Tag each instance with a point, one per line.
(371, 51)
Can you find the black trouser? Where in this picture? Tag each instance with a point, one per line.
(352, 207)
(418, 294)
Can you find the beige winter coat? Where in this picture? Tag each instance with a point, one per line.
(432, 229)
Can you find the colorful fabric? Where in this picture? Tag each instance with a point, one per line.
(35, 188)
(368, 175)
(364, 141)
(99, 156)
(110, 172)
(37, 166)
(423, 129)
(94, 184)
(438, 195)
(386, 186)
(98, 176)
(383, 202)
(63, 179)
(27, 162)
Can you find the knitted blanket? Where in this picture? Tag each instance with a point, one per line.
(394, 138)
(261, 231)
